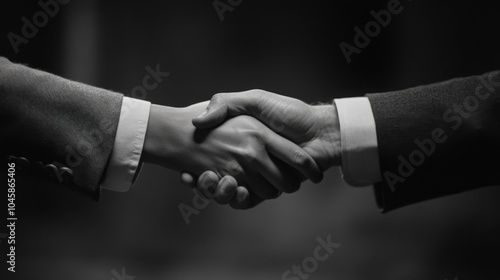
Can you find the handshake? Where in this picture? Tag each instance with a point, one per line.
(243, 148)
(247, 147)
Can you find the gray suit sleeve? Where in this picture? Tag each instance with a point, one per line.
(48, 121)
(438, 139)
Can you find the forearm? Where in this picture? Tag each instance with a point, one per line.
(425, 145)
(53, 120)
(161, 145)
(170, 137)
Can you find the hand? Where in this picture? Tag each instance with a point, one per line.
(241, 147)
(314, 128)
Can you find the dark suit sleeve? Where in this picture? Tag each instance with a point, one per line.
(438, 139)
(55, 126)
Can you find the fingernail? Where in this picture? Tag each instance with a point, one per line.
(225, 182)
(211, 186)
(208, 186)
(241, 196)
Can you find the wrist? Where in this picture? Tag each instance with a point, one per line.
(164, 134)
(330, 133)
(169, 140)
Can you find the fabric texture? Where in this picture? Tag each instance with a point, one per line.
(50, 119)
(438, 139)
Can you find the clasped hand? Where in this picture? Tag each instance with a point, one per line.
(243, 148)
(237, 149)
(314, 128)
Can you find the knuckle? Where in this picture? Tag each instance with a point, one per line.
(217, 98)
(254, 91)
(230, 181)
(207, 184)
(258, 92)
(233, 169)
(228, 184)
(259, 134)
(249, 154)
(252, 130)
(299, 157)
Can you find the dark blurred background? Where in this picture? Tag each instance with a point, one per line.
(287, 47)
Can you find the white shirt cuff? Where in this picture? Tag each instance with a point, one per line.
(359, 147)
(127, 149)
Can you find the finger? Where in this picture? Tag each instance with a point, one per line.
(254, 200)
(223, 105)
(241, 200)
(207, 183)
(244, 200)
(291, 178)
(213, 115)
(257, 184)
(188, 179)
(226, 189)
(293, 155)
(280, 175)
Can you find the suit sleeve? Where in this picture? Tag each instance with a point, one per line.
(438, 139)
(57, 127)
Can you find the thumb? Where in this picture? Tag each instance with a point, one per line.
(223, 105)
(213, 115)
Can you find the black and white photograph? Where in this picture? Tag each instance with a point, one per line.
(250, 140)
